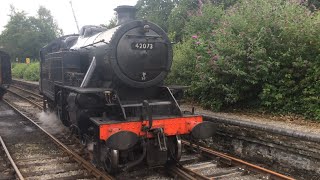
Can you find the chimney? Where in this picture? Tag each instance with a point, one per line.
(125, 14)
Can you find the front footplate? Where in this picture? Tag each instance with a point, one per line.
(121, 135)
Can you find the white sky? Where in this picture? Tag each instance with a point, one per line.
(88, 12)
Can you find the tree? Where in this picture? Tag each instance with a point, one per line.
(46, 24)
(24, 35)
(111, 24)
(179, 16)
(313, 4)
(225, 3)
(156, 11)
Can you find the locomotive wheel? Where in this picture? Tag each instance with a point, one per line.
(61, 111)
(63, 118)
(74, 130)
(111, 161)
(175, 149)
(50, 105)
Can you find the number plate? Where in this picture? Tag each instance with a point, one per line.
(142, 46)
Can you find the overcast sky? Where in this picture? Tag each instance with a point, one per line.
(88, 12)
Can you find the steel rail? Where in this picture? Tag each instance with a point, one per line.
(28, 84)
(35, 94)
(197, 175)
(240, 162)
(193, 174)
(97, 173)
(178, 171)
(25, 98)
(11, 160)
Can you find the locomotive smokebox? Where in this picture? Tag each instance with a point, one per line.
(125, 14)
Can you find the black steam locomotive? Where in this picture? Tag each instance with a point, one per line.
(5, 73)
(107, 86)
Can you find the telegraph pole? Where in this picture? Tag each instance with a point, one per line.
(74, 16)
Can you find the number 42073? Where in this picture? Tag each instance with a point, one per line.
(143, 46)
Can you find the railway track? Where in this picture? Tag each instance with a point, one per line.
(207, 164)
(32, 86)
(210, 165)
(35, 95)
(31, 97)
(39, 155)
(8, 169)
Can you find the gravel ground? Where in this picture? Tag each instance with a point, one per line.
(35, 154)
(286, 121)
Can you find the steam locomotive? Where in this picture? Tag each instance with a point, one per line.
(107, 86)
(5, 73)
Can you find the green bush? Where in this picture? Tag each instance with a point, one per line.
(206, 20)
(186, 56)
(269, 53)
(260, 53)
(30, 72)
(18, 70)
(183, 66)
